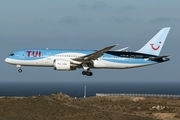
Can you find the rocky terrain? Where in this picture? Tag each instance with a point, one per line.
(62, 107)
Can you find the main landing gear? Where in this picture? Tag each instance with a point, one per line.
(87, 73)
(87, 70)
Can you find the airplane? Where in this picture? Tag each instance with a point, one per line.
(67, 60)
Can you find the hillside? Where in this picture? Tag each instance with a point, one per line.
(62, 107)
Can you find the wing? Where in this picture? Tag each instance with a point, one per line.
(93, 56)
(122, 49)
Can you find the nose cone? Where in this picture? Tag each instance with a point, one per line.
(7, 60)
(10, 61)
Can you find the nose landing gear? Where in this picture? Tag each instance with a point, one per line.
(20, 70)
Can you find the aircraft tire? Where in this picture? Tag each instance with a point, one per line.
(20, 70)
(84, 72)
(89, 74)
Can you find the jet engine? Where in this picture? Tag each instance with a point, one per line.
(62, 65)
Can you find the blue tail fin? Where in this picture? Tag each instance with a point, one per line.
(155, 45)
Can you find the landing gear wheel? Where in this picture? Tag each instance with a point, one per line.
(89, 74)
(84, 72)
(20, 70)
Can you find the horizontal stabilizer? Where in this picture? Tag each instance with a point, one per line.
(164, 58)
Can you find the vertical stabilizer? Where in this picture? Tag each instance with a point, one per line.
(155, 45)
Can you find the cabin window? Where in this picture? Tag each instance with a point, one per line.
(12, 54)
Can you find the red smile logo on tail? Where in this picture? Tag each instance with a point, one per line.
(152, 45)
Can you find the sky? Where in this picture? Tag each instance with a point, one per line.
(88, 24)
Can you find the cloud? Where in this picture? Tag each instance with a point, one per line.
(96, 5)
(102, 5)
(164, 20)
(120, 20)
(74, 20)
(129, 7)
(69, 20)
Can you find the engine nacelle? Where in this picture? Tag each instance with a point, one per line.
(62, 65)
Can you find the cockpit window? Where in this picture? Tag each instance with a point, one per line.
(12, 54)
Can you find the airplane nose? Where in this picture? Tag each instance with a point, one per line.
(7, 60)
